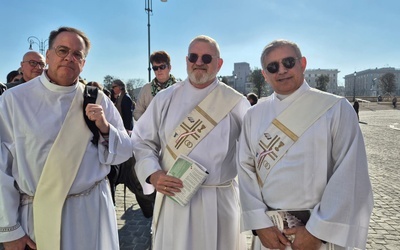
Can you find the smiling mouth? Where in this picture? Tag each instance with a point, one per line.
(284, 79)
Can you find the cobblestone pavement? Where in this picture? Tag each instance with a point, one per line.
(382, 139)
(381, 130)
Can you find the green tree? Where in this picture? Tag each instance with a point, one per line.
(108, 80)
(322, 82)
(388, 83)
(258, 80)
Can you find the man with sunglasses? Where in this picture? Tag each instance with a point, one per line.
(54, 191)
(201, 119)
(32, 65)
(302, 149)
(161, 64)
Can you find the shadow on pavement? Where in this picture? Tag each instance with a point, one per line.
(135, 232)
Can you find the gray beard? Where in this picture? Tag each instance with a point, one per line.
(203, 79)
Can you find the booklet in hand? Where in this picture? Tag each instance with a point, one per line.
(192, 175)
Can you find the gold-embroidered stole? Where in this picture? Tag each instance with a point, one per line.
(286, 129)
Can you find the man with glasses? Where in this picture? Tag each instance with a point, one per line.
(32, 65)
(201, 119)
(161, 64)
(302, 149)
(54, 192)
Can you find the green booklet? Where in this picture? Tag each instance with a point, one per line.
(192, 175)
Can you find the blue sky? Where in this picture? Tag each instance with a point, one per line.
(341, 34)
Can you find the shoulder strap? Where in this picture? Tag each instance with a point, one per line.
(90, 96)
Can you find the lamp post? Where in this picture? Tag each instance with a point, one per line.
(148, 8)
(234, 81)
(40, 42)
(354, 87)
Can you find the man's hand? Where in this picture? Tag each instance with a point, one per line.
(19, 244)
(95, 113)
(272, 238)
(303, 239)
(165, 184)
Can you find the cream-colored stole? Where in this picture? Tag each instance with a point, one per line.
(194, 127)
(286, 129)
(59, 173)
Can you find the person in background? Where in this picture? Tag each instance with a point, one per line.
(253, 98)
(32, 65)
(182, 120)
(99, 86)
(302, 149)
(356, 107)
(54, 191)
(161, 64)
(394, 102)
(123, 103)
(14, 76)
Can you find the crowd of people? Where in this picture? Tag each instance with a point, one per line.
(280, 154)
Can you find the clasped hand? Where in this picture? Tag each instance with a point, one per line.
(272, 238)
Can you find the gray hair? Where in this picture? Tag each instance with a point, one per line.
(120, 84)
(277, 44)
(207, 39)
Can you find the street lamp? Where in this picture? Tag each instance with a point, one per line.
(354, 87)
(42, 44)
(234, 81)
(148, 8)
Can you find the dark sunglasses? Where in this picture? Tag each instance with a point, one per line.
(162, 67)
(287, 62)
(206, 58)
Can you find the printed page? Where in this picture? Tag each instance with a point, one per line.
(192, 175)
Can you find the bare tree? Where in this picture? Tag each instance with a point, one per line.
(388, 83)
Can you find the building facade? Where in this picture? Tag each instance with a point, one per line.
(366, 82)
(311, 76)
(241, 75)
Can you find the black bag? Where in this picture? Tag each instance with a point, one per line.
(2, 88)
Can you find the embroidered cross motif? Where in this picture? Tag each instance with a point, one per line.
(191, 131)
(270, 150)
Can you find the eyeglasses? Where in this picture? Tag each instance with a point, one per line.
(162, 67)
(287, 62)
(206, 58)
(63, 52)
(34, 63)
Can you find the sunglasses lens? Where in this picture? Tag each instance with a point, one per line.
(289, 62)
(273, 67)
(206, 58)
(162, 67)
(193, 57)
